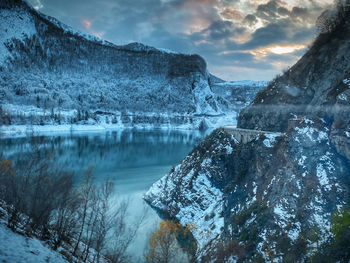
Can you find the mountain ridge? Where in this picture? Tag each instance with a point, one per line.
(74, 78)
(313, 86)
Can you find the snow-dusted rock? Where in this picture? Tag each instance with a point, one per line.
(270, 192)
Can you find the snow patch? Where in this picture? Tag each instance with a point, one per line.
(323, 177)
(17, 248)
(342, 97)
(312, 133)
(229, 149)
(270, 139)
(347, 82)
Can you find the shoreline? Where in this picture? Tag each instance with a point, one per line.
(18, 131)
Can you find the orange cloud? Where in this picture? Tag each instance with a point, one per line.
(276, 49)
(87, 24)
(232, 14)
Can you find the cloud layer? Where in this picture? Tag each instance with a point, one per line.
(240, 39)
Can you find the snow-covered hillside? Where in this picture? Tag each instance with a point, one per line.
(17, 248)
(64, 77)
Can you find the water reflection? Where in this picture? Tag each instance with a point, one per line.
(133, 159)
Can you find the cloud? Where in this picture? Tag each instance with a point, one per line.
(219, 30)
(86, 23)
(232, 14)
(250, 20)
(229, 34)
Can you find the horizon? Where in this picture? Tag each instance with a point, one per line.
(240, 40)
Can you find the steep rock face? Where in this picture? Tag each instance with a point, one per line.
(315, 86)
(272, 199)
(49, 69)
(271, 196)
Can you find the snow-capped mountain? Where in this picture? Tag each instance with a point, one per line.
(273, 198)
(52, 74)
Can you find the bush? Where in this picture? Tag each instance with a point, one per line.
(337, 248)
(163, 245)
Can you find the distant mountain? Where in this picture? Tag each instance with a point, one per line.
(256, 196)
(52, 74)
(238, 94)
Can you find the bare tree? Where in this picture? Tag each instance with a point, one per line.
(9, 191)
(86, 191)
(104, 223)
(84, 215)
(65, 219)
(121, 235)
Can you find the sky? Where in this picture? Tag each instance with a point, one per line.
(239, 39)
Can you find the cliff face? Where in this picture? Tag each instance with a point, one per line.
(272, 199)
(46, 67)
(315, 86)
(261, 200)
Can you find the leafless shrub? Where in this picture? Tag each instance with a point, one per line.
(81, 216)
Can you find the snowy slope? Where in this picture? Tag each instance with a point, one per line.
(15, 248)
(14, 25)
(278, 193)
(53, 69)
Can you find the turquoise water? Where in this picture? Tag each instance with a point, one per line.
(133, 159)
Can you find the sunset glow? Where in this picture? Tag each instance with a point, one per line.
(279, 50)
(87, 24)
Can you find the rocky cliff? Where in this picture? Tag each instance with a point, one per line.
(263, 200)
(50, 73)
(317, 85)
(273, 198)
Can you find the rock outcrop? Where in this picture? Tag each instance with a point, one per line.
(317, 85)
(268, 197)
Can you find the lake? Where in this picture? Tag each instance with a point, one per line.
(133, 159)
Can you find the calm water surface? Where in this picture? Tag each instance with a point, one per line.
(133, 159)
